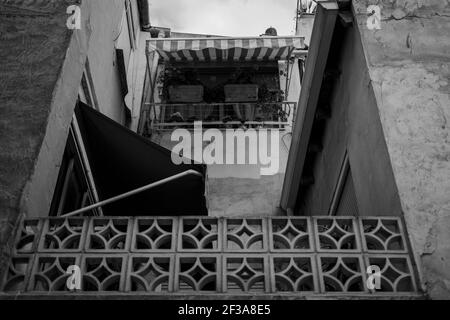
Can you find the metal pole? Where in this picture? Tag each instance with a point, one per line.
(84, 158)
(132, 192)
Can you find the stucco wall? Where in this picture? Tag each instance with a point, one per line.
(35, 104)
(41, 68)
(354, 127)
(409, 61)
(240, 189)
(104, 17)
(135, 63)
(137, 78)
(39, 191)
(292, 88)
(305, 24)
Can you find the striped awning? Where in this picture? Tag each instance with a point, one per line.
(223, 49)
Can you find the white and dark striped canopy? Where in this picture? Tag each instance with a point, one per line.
(225, 49)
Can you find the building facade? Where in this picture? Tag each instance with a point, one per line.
(227, 84)
(373, 139)
(89, 183)
(46, 69)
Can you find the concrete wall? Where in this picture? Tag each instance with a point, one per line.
(41, 67)
(292, 88)
(110, 31)
(107, 88)
(355, 128)
(409, 68)
(135, 63)
(105, 17)
(305, 24)
(240, 189)
(137, 77)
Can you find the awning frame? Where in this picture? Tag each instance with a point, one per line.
(181, 49)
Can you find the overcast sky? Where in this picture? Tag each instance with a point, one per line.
(224, 17)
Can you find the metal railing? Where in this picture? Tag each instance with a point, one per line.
(294, 256)
(162, 116)
(132, 192)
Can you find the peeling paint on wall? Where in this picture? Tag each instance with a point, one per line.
(409, 61)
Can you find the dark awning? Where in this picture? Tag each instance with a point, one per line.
(121, 161)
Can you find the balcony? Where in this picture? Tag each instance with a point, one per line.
(148, 257)
(166, 117)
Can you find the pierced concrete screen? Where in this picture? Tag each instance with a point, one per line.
(206, 255)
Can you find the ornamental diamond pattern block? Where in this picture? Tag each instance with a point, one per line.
(208, 255)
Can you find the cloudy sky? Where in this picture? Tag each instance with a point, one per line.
(224, 17)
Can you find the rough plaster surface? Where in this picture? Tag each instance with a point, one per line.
(240, 190)
(104, 18)
(304, 26)
(240, 197)
(41, 64)
(34, 41)
(33, 47)
(138, 78)
(409, 61)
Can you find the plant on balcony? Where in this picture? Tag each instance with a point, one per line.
(269, 103)
(173, 76)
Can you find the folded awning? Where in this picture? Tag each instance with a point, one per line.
(122, 161)
(223, 49)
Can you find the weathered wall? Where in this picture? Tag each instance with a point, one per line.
(240, 189)
(137, 80)
(245, 197)
(104, 19)
(354, 127)
(41, 64)
(292, 88)
(88, 40)
(35, 104)
(409, 65)
(305, 24)
(135, 64)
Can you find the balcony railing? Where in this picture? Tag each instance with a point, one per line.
(293, 256)
(161, 116)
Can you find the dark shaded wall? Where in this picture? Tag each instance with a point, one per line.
(355, 127)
